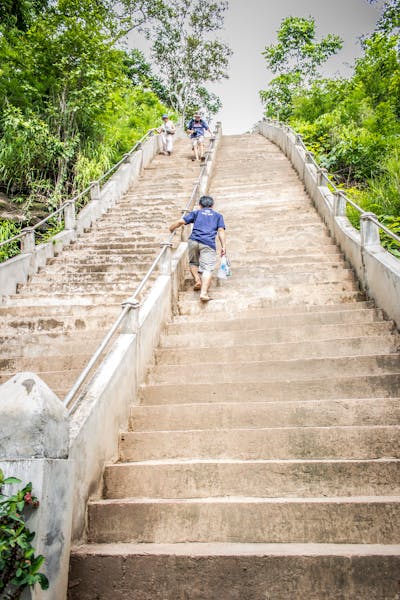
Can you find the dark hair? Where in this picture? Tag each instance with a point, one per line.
(206, 201)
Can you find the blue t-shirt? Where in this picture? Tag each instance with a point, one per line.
(199, 127)
(206, 223)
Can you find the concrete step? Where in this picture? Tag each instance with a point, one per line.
(267, 317)
(284, 443)
(47, 362)
(275, 370)
(301, 274)
(240, 415)
(84, 287)
(312, 332)
(74, 278)
(231, 571)
(352, 386)
(355, 346)
(15, 309)
(100, 268)
(60, 323)
(34, 344)
(272, 296)
(54, 379)
(85, 299)
(261, 478)
(338, 520)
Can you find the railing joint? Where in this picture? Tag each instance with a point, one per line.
(132, 302)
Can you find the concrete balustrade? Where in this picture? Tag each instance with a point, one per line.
(16, 270)
(377, 270)
(64, 454)
(34, 440)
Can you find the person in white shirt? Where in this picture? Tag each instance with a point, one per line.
(167, 131)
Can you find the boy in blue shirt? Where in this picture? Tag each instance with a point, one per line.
(197, 128)
(207, 224)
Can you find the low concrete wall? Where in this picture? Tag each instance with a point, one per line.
(34, 448)
(16, 270)
(101, 411)
(104, 408)
(377, 270)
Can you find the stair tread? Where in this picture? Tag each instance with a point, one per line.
(239, 549)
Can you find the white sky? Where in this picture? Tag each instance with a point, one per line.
(250, 25)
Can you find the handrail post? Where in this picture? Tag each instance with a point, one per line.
(28, 242)
(95, 190)
(298, 139)
(309, 157)
(69, 216)
(321, 176)
(165, 265)
(131, 322)
(339, 205)
(369, 230)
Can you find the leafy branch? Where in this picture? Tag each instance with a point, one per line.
(19, 567)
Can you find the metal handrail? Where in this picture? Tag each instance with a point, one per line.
(132, 301)
(367, 215)
(26, 230)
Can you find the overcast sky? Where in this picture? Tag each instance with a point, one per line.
(250, 25)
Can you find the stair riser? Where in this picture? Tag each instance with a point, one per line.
(42, 344)
(286, 317)
(57, 311)
(283, 298)
(260, 415)
(295, 276)
(101, 268)
(62, 362)
(247, 577)
(54, 379)
(378, 386)
(60, 324)
(98, 298)
(276, 335)
(245, 522)
(313, 349)
(268, 371)
(254, 444)
(266, 480)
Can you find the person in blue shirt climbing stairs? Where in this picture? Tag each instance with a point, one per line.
(207, 224)
(197, 128)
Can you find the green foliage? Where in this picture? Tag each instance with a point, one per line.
(8, 229)
(297, 50)
(353, 127)
(72, 102)
(295, 60)
(19, 567)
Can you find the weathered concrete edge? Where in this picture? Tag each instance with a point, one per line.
(105, 407)
(16, 270)
(51, 522)
(34, 443)
(377, 270)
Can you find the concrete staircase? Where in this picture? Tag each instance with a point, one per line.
(55, 322)
(262, 462)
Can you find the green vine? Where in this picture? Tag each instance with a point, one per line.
(19, 567)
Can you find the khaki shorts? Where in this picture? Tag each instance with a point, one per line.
(197, 141)
(202, 256)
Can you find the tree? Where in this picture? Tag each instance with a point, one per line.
(20, 13)
(389, 21)
(295, 59)
(64, 91)
(185, 55)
